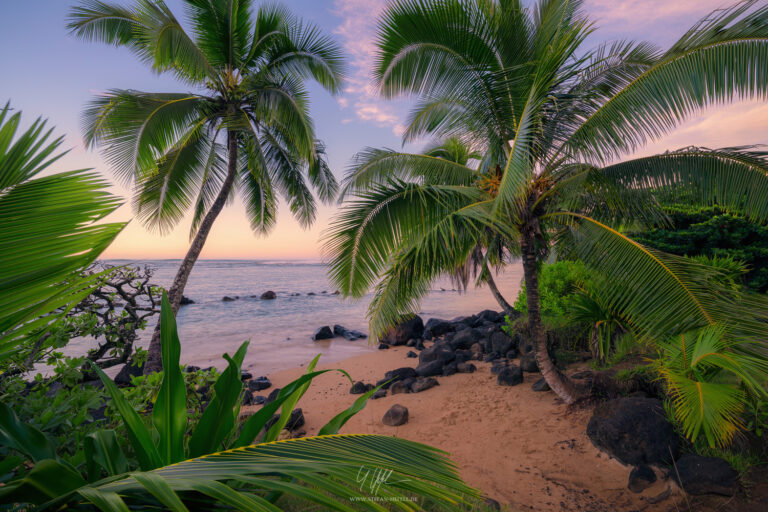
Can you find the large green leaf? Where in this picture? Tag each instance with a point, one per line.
(22, 437)
(102, 450)
(169, 414)
(218, 419)
(49, 479)
(138, 434)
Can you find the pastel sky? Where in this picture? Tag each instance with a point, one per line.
(46, 72)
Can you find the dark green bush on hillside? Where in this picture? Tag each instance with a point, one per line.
(713, 232)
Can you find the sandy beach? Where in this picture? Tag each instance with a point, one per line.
(523, 448)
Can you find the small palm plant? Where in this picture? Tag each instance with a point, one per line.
(553, 121)
(224, 462)
(709, 377)
(246, 126)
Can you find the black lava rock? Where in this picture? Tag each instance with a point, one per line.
(379, 394)
(635, 430)
(323, 333)
(705, 475)
(259, 383)
(423, 384)
(185, 301)
(259, 400)
(383, 346)
(401, 386)
(437, 327)
(227, 299)
(437, 352)
(528, 363)
(540, 385)
(396, 415)
(492, 356)
(359, 387)
(430, 369)
(510, 376)
(268, 295)
(641, 478)
(273, 395)
(411, 353)
(244, 375)
(500, 342)
(451, 368)
(400, 374)
(405, 330)
(466, 368)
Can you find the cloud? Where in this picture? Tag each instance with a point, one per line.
(357, 31)
(637, 12)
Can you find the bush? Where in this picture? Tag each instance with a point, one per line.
(558, 284)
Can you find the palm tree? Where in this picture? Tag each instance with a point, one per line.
(246, 126)
(366, 171)
(553, 120)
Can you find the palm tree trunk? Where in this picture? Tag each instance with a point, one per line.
(563, 387)
(154, 354)
(497, 294)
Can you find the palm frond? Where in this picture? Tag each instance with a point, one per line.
(722, 56)
(375, 166)
(48, 233)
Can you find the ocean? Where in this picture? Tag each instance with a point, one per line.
(280, 330)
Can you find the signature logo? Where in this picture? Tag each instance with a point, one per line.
(371, 479)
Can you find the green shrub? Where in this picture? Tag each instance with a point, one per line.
(558, 283)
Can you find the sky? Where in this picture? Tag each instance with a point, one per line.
(46, 72)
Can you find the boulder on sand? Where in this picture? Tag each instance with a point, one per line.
(430, 369)
(641, 478)
(438, 327)
(437, 352)
(705, 475)
(405, 330)
(634, 430)
(423, 384)
(349, 334)
(396, 415)
(510, 376)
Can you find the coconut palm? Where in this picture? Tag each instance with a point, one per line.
(245, 126)
(553, 120)
(490, 249)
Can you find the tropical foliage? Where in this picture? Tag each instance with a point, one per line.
(218, 462)
(48, 236)
(710, 380)
(555, 123)
(247, 128)
(715, 233)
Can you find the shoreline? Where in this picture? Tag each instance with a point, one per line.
(522, 448)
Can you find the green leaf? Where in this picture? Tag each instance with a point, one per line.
(160, 489)
(49, 479)
(169, 414)
(102, 450)
(338, 421)
(104, 500)
(23, 438)
(218, 419)
(138, 434)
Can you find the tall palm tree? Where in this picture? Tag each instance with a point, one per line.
(553, 120)
(245, 126)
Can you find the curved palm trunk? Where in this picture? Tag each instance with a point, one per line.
(563, 387)
(154, 355)
(508, 309)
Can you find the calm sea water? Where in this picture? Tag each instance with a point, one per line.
(280, 330)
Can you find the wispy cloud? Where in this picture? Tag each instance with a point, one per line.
(357, 31)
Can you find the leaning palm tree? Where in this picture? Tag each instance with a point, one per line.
(554, 121)
(246, 126)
